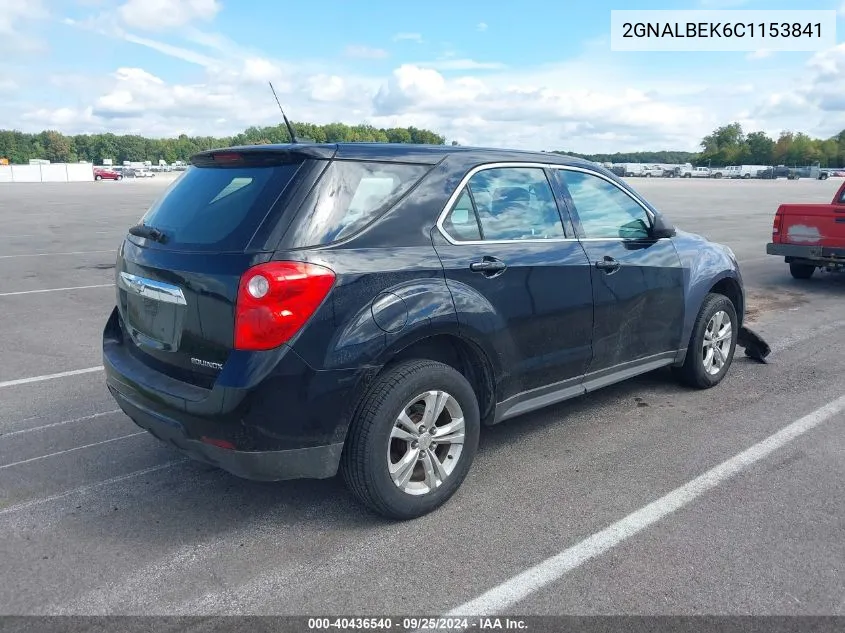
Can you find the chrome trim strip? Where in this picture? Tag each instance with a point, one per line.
(152, 289)
(463, 183)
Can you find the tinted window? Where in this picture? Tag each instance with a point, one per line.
(217, 208)
(603, 208)
(461, 223)
(350, 195)
(515, 203)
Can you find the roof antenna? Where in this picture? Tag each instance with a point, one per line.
(287, 123)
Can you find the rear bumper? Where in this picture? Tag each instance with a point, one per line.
(269, 416)
(807, 253)
(318, 462)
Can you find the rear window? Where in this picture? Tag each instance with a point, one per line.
(350, 195)
(218, 208)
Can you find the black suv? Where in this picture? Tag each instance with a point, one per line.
(291, 311)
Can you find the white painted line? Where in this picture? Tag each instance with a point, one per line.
(63, 374)
(88, 487)
(32, 292)
(55, 424)
(71, 450)
(54, 254)
(506, 595)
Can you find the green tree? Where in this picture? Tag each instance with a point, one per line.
(57, 148)
(759, 147)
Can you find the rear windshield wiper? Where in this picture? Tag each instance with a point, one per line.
(142, 230)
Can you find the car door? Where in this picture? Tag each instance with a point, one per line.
(519, 281)
(638, 281)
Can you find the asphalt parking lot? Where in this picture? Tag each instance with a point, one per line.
(98, 517)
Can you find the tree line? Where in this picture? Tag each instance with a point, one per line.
(20, 147)
(726, 145)
(730, 145)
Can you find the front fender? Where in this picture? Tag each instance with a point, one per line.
(707, 265)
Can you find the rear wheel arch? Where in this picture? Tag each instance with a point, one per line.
(459, 353)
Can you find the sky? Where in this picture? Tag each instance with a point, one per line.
(536, 75)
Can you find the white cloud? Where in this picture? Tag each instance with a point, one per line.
(8, 86)
(16, 17)
(365, 52)
(179, 52)
(157, 15)
(594, 102)
(461, 64)
(762, 53)
(327, 88)
(481, 26)
(409, 37)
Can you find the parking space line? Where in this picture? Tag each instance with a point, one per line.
(504, 596)
(32, 292)
(55, 424)
(71, 450)
(88, 487)
(62, 374)
(51, 254)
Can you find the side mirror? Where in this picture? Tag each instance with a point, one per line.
(662, 228)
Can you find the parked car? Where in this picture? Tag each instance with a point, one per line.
(688, 171)
(652, 170)
(720, 172)
(810, 236)
(633, 169)
(290, 311)
(773, 173)
(104, 173)
(746, 171)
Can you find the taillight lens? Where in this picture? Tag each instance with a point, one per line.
(275, 300)
(776, 227)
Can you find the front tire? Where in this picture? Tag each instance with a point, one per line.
(412, 440)
(712, 343)
(801, 271)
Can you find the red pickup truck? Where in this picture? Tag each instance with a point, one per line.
(810, 236)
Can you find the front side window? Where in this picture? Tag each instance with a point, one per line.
(605, 210)
(515, 203)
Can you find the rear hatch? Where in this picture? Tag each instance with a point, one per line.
(813, 224)
(178, 270)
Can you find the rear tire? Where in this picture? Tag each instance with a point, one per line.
(711, 346)
(801, 271)
(379, 442)
(98, 177)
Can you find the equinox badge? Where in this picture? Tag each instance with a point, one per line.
(206, 363)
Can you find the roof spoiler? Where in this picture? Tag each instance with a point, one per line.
(262, 155)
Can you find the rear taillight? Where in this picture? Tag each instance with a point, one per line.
(275, 300)
(777, 226)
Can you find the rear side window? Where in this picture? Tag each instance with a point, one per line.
(218, 208)
(350, 195)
